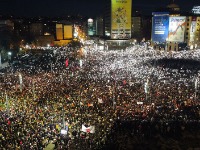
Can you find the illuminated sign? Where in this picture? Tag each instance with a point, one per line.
(193, 29)
(90, 27)
(160, 27)
(121, 19)
(196, 9)
(177, 29)
(198, 25)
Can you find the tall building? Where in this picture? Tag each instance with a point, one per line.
(168, 31)
(99, 26)
(192, 35)
(118, 19)
(107, 19)
(136, 28)
(121, 12)
(91, 27)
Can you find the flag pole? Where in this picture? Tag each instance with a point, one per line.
(146, 88)
(196, 86)
(7, 108)
(20, 81)
(33, 89)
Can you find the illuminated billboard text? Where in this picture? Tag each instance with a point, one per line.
(121, 19)
(160, 27)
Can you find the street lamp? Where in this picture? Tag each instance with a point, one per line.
(9, 56)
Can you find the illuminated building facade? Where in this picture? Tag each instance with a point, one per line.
(64, 34)
(99, 26)
(192, 35)
(136, 28)
(59, 31)
(91, 26)
(176, 31)
(121, 12)
(118, 19)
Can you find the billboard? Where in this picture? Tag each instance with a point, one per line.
(121, 19)
(160, 26)
(59, 31)
(193, 28)
(198, 24)
(177, 28)
(68, 32)
(196, 10)
(90, 27)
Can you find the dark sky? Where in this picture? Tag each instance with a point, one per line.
(82, 7)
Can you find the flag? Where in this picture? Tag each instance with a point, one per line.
(90, 104)
(124, 82)
(81, 63)
(140, 103)
(63, 131)
(90, 129)
(67, 63)
(146, 86)
(196, 83)
(20, 78)
(20, 81)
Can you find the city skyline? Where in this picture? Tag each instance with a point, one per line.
(88, 8)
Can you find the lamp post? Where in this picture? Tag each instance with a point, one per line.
(20, 81)
(146, 88)
(9, 57)
(7, 104)
(196, 86)
(0, 58)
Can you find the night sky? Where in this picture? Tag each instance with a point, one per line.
(82, 7)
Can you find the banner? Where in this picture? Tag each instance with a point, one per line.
(177, 29)
(193, 29)
(64, 132)
(67, 62)
(146, 86)
(90, 129)
(160, 27)
(121, 19)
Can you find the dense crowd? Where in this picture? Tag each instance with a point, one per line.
(104, 93)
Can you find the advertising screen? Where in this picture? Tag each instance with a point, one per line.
(121, 19)
(160, 25)
(177, 28)
(90, 27)
(193, 29)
